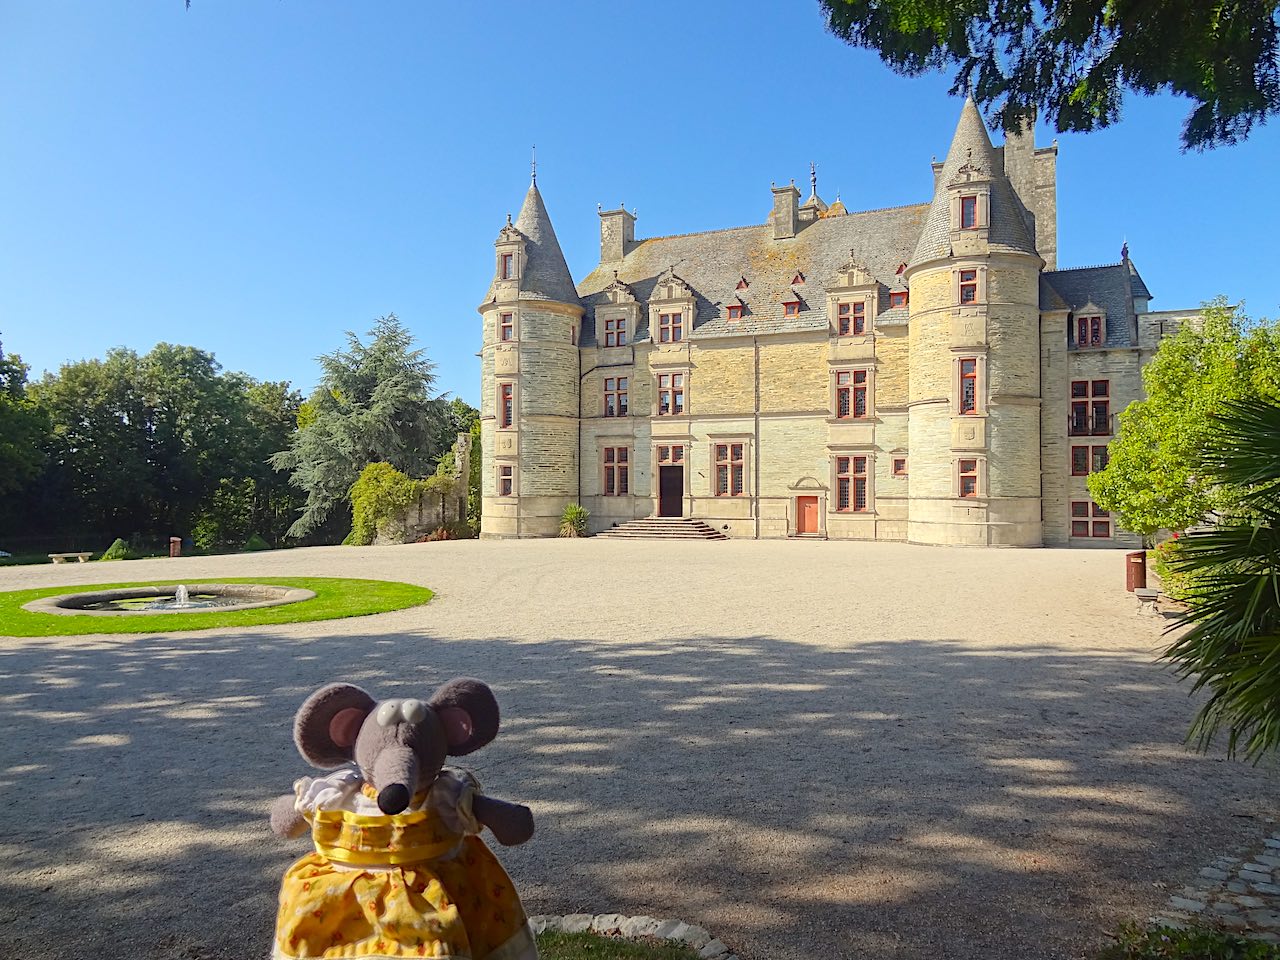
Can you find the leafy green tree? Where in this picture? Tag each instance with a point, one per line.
(1232, 648)
(373, 405)
(1075, 60)
(1153, 480)
(23, 427)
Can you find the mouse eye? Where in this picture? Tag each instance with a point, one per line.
(388, 713)
(413, 711)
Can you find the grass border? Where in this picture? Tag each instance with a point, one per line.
(335, 598)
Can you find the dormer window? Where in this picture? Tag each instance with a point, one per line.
(898, 298)
(969, 213)
(742, 284)
(797, 279)
(670, 327)
(508, 271)
(1090, 331)
(735, 311)
(851, 318)
(615, 332)
(791, 308)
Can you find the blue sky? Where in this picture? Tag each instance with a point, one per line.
(255, 178)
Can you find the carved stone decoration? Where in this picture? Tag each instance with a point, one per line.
(619, 292)
(671, 287)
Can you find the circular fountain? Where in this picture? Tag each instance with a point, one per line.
(182, 598)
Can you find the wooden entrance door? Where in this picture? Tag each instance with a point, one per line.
(671, 491)
(806, 514)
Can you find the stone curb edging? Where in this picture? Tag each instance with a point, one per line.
(1240, 894)
(614, 924)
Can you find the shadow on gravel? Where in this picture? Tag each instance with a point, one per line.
(916, 799)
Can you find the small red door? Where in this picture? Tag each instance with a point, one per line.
(806, 514)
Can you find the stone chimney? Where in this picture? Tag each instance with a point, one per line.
(786, 211)
(617, 234)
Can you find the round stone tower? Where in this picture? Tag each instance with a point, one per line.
(974, 392)
(529, 380)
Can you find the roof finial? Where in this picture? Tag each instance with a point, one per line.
(508, 218)
(813, 177)
(533, 165)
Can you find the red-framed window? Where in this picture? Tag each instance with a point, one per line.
(851, 394)
(730, 470)
(507, 327)
(899, 466)
(1089, 332)
(616, 470)
(968, 478)
(1101, 523)
(1079, 461)
(851, 318)
(1101, 457)
(670, 327)
(670, 394)
(508, 266)
(969, 385)
(968, 286)
(506, 480)
(672, 454)
(615, 396)
(791, 308)
(851, 484)
(506, 404)
(615, 332)
(1079, 518)
(1090, 408)
(898, 298)
(1089, 520)
(735, 311)
(968, 213)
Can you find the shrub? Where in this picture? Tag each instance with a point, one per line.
(573, 522)
(439, 533)
(117, 551)
(255, 542)
(380, 493)
(1197, 943)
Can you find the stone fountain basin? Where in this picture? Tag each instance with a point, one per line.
(253, 595)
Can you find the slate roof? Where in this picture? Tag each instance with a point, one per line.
(1104, 286)
(545, 275)
(971, 146)
(712, 263)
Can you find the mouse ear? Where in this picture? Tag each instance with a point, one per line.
(468, 712)
(327, 724)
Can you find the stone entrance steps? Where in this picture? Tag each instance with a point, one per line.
(663, 528)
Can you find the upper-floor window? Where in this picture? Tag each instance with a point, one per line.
(615, 396)
(573, 334)
(851, 318)
(671, 454)
(968, 474)
(616, 469)
(1090, 332)
(851, 393)
(508, 266)
(898, 298)
(735, 311)
(899, 466)
(507, 327)
(506, 404)
(1087, 460)
(670, 394)
(730, 473)
(1090, 408)
(969, 385)
(968, 286)
(670, 327)
(615, 332)
(506, 480)
(968, 213)
(791, 308)
(851, 484)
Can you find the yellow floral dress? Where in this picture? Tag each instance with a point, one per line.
(417, 884)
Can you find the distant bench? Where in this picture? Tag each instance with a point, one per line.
(1147, 599)
(64, 557)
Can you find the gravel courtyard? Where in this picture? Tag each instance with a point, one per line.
(815, 750)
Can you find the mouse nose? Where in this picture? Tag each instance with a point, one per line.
(393, 799)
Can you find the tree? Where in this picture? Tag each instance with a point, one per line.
(1233, 610)
(23, 427)
(1075, 60)
(373, 405)
(1152, 480)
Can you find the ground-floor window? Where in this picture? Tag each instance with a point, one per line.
(672, 454)
(506, 480)
(616, 470)
(968, 478)
(1089, 520)
(851, 484)
(730, 472)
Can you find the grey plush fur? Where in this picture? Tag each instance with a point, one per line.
(338, 724)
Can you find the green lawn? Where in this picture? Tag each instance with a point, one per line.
(590, 946)
(335, 598)
(1197, 943)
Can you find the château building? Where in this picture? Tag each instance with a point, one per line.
(924, 373)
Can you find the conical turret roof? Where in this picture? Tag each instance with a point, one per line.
(971, 150)
(545, 275)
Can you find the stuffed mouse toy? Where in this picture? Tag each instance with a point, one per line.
(398, 869)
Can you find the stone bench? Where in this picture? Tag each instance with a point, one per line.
(1147, 599)
(64, 557)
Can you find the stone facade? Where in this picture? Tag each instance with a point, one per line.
(919, 373)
